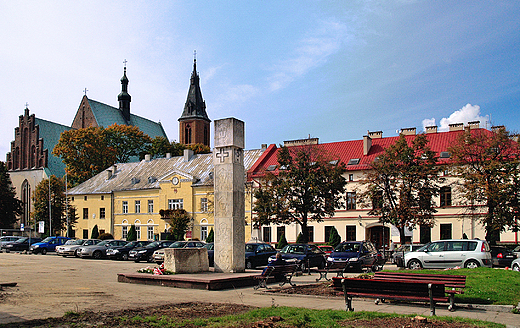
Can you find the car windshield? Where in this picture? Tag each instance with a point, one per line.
(103, 243)
(293, 249)
(75, 242)
(250, 248)
(152, 245)
(177, 244)
(46, 240)
(209, 246)
(348, 247)
(130, 244)
(23, 240)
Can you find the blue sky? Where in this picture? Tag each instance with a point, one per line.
(289, 69)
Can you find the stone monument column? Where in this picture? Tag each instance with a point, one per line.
(229, 187)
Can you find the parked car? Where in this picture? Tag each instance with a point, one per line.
(71, 246)
(211, 253)
(99, 250)
(516, 250)
(515, 265)
(307, 256)
(145, 253)
(444, 254)
(47, 245)
(19, 245)
(121, 253)
(8, 239)
(358, 255)
(327, 249)
(502, 256)
(158, 255)
(257, 254)
(398, 254)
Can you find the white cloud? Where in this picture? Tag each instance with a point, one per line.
(468, 113)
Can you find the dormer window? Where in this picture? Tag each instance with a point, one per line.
(135, 180)
(334, 162)
(152, 179)
(353, 161)
(271, 168)
(445, 154)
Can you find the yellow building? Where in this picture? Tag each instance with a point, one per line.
(134, 193)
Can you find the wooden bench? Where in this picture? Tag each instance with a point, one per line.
(271, 272)
(403, 290)
(454, 283)
(337, 267)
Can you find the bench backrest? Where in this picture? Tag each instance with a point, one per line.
(393, 287)
(450, 281)
(336, 265)
(280, 269)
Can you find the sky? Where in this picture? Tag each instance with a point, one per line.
(332, 70)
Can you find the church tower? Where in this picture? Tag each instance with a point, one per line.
(124, 98)
(194, 124)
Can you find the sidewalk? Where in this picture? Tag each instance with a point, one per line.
(49, 286)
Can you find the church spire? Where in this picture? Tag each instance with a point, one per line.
(124, 98)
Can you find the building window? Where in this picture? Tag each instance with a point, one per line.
(125, 207)
(445, 196)
(351, 200)
(85, 233)
(176, 204)
(204, 205)
(351, 177)
(310, 230)
(138, 231)
(102, 213)
(377, 200)
(446, 232)
(150, 233)
(203, 232)
(85, 197)
(266, 234)
(85, 214)
(137, 206)
(351, 232)
(102, 197)
(425, 234)
(124, 232)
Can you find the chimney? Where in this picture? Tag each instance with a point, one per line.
(188, 154)
(168, 155)
(109, 174)
(115, 169)
(474, 125)
(431, 129)
(408, 131)
(497, 128)
(147, 157)
(456, 127)
(264, 146)
(375, 134)
(367, 144)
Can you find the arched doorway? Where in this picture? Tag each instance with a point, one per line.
(379, 235)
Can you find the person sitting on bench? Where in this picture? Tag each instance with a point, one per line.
(279, 261)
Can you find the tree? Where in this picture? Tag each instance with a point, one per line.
(211, 236)
(401, 183)
(127, 140)
(308, 187)
(488, 163)
(85, 152)
(334, 237)
(178, 219)
(58, 205)
(105, 236)
(10, 206)
(132, 233)
(282, 242)
(95, 232)
(160, 146)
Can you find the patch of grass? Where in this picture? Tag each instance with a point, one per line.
(485, 285)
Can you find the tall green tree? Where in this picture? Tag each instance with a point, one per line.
(211, 236)
(160, 146)
(334, 237)
(127, 140)
(179, 221)
(401, 184)
(132, 233)
(10, 206)
(58, 205)
(282, 242)
(95, 232)
(488, 163)
(308, 186)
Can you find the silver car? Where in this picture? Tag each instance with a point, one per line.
(444, 254)
(99, 250)
(516, 265)
(72, 246)
(158, 255)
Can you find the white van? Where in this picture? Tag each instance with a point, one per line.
(443, 254)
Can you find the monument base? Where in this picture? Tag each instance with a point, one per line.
(186, 260)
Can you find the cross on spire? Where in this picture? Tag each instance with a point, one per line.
(124, 62)
(195, 55)
(26, 105)
(85, 91)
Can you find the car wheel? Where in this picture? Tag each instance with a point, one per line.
(375, 268)
(150, 259)
(44, 251)
(303, 266)
(96, 255)
(516, 267)
(136, 261)
(414, 265)
(471, 264)
(124, 257)
(76, 253)
(249, 265)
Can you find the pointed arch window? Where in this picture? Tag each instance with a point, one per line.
(187, 134)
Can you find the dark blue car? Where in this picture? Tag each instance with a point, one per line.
(358, 254)
(257, 254)
(307, 256)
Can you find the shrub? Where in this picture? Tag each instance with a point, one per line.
(211, 236)
(334, 237)
(105, 236)
(132, 234)
(95, 232)
(282, 242)
(299, 239)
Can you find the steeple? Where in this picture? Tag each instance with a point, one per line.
(194, 123)
(124, 98)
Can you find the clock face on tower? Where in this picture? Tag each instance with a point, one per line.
(175, 181)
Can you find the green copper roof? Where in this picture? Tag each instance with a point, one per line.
(50, 133)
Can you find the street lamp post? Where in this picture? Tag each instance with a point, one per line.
(50, 209)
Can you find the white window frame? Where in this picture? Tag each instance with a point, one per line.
(125, 207)
(175, 204)
(150, 206)
(137, 206)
